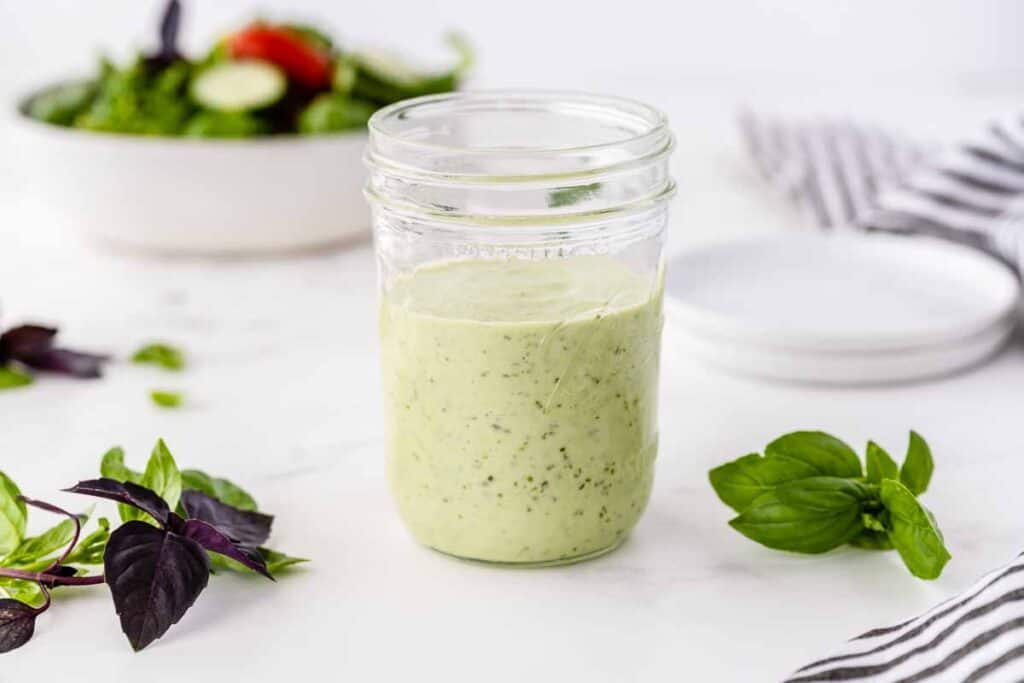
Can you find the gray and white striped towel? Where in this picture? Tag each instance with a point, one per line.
(977, 635)
(846, 175)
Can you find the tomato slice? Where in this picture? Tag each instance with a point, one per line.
(301, 61)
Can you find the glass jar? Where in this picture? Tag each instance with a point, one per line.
(519, 238)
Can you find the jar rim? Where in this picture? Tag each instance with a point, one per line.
(519, 156)
(654, 121)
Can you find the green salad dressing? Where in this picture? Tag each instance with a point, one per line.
(521, 402)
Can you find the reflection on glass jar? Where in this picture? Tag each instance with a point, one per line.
(519, 238)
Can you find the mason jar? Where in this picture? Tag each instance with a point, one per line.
(519, 238)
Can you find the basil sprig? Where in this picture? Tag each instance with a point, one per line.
(809, 494)
(179, 527)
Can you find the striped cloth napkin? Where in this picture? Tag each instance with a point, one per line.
(846, 175)
(977, 635)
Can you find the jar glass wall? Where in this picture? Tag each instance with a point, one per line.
(519, 238)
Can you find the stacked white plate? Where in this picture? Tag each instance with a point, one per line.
(840, 308)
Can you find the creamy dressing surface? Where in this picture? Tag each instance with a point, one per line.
(521, 400)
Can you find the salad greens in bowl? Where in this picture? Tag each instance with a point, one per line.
(264, 79)
(255, 146)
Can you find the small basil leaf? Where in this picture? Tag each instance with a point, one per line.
(214, 541)
(12, 378)
(872, 540)
(913, 532)
(68, 362)
(277, 562)
(154, 577)
(26, 340)
(880, 464)
(162, 475)
(36, 547)
(740, 482)
(17, 624)
(826, 454)
(112, 467)
(125, 492)
(166, 399)
(876, 521)
(807, 516)
(567, 196)
(89, 550)
(916, 472)
(13, 515)
(169, 27)
(221, 489)
(27, 592)
(241, 526)
(162, 355)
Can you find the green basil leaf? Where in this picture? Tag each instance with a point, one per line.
(811, 515)
(824, 494)
(89, 550)
(40, 546)
(27, 592)
(221, 489)
(917, 468)
(870, 539)
(112, 467)
(276, 562)
(880, 464)
(166, 399)
(162, 355)
(826, 454)
(913, 532)
(740, 482)
(12, 378)
(161, 476)
(13, 515)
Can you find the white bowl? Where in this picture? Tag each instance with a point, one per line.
(197, 196)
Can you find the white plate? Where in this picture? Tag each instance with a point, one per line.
(175, 195)
(842, 307)
(844, 368)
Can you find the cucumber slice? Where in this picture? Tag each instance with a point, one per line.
(389, 67)
(385, 77)
(239, 86)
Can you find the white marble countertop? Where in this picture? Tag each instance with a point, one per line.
(283, 396)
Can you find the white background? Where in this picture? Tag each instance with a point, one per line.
(550, 42)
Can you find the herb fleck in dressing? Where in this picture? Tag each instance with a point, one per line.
(522, 404)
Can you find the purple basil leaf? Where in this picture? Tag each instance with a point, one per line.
(127, 493)
(17, 623)
(154, 577)
(176, 523)
(241, 526)
(169, 25)
(67, 362)
(25, 340)
(214, 541)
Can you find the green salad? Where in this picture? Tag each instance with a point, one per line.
(265, 79)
